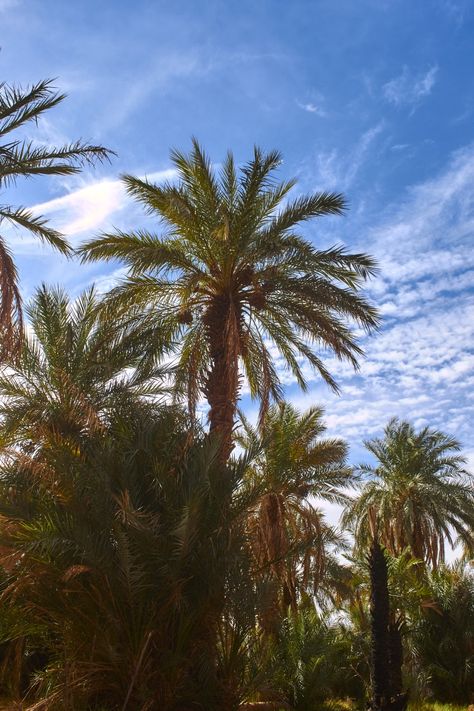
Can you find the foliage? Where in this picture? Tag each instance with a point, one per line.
(70, 372)
(291, 540)
(24, 158)
(313, 662)
(443, 638)
(416, 495)
(122, 565)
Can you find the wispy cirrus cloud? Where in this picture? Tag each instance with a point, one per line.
(313, 109)
(409, 89)
(337, 169)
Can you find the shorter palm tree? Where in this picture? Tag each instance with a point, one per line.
(131, 569)
(295, 466)
(23, 158)
(70, 372)
(416, 495)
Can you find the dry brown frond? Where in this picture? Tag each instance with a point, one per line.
(11, 320)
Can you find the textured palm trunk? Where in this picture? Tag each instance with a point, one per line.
(387, 650)
(396, 658)
(222, 387)
(379, 620)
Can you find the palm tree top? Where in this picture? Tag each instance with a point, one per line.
(71, 370)
(416, 495)
(295, 456)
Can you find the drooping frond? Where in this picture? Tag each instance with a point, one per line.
(11, 322)
(24, 158)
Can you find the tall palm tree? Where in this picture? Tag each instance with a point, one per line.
(230, 275)
(416, 495)
(70, 372)
(24, 158)
(296, 465)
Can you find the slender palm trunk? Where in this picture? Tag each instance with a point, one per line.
(396, 658)
(222, 387)
(379, 619)
(387, 650)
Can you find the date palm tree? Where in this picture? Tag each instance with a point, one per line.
(416, 495)
(24, 158)
(70, 372)
(230, 275)
(295, 467)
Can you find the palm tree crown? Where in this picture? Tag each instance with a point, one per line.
(417, 494)
(295, 464)
(230, 275)
(23, 158)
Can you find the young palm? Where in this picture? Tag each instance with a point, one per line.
(416, 496)
(25, 158)
(70, 371)
(230, 275)
(289, 533)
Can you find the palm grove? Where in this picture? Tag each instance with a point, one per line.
(149, 561)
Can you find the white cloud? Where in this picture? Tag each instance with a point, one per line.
(313, 109)
(91, 207)
(408, 89)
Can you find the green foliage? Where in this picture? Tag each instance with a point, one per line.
(292, 542)
(314, 663)
(121, 549)
(24, 158)
(70, 372)
(443, 637)
(416, 496)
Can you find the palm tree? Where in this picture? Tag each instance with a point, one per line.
(291, 539)
(416, 496)
(25, 158)
(70, 372)
(132, 570)
(230, 275)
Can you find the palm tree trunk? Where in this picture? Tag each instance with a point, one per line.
(379, 619)
(396, 658)
(222, 387)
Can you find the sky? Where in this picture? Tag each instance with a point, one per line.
(373, 98)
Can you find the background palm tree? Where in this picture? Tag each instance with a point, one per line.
(71, 371)
(229, 274)
(19, 158)
(416, 495)
(295, 465)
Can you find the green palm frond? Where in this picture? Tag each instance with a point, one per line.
(23, 158)
(417, 494)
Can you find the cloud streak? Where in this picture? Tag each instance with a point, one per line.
(408, 89)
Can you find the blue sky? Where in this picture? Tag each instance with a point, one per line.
(374, 98)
